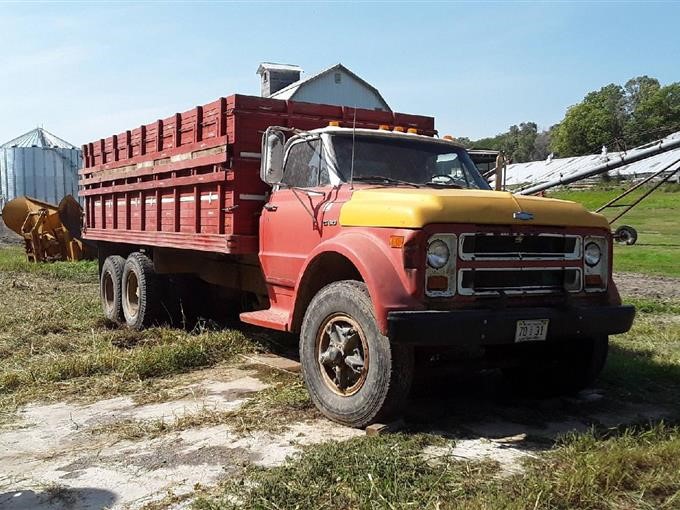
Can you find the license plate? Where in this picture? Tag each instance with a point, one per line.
(531, 331)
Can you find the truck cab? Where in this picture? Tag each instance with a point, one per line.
(376, 243)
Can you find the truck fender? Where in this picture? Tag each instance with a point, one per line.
(378, 265)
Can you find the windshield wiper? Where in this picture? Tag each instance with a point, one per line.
(383, 179)
(443, 185)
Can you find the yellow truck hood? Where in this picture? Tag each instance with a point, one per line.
(415, 208)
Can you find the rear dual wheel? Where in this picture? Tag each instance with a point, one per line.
(110, 282)
(141, 292)
(354, 375)
(130, 290)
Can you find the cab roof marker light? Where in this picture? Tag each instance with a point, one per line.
(334, 123)
(398, 129)
(413, 131)
(384, 127)
(448, 137)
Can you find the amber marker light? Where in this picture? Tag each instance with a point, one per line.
(396, 241)
(437, 283)
(448, 137)
(384, 127)
(334, 123)
(398, 129)
(413, 131)
(593, 280)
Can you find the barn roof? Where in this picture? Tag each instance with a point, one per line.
(39, 137)
(277, 67)
(289, 91)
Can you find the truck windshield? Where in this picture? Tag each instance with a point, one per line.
(401, 161)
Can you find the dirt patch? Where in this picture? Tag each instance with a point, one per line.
(648, 286)
(52, 458)
(508, 457)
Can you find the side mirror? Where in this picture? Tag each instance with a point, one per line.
(271, 165)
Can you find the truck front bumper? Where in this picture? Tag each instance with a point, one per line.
(498, 326)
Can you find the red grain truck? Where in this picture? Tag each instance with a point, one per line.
(360, 231)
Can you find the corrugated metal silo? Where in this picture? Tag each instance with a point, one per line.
(38, 164)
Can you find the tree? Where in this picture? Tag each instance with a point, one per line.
(656, 114)
(638, 90)
(598, 120)
(619, 117)
(541, 146)
(518, 142)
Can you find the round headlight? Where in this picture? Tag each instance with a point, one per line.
(437, 254)
(592, 254)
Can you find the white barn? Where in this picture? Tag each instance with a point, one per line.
(336, 85)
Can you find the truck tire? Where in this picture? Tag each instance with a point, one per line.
(110, 288)
(563, 371)
(354, 375)
(141, 292)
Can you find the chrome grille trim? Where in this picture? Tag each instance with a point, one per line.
(518, 239)
(465, 289)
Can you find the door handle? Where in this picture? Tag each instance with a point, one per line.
(271, 207)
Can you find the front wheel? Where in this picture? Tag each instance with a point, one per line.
(354, 375)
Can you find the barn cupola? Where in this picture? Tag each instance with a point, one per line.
(274, 77)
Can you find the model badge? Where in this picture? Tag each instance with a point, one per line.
(523, 215)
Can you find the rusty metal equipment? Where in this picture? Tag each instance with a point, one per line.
(44, 229)
(626, 234)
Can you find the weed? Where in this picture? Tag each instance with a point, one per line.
(284, 401)
(54, 342)
(634, 468)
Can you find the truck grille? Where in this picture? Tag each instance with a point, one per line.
(518, 281)
(493, 246)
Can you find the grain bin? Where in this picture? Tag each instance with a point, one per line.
(38, 164)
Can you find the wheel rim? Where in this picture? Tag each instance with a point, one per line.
(342, 354)
(132, 294)
(108, 292)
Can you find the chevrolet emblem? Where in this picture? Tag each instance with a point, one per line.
(523, 215)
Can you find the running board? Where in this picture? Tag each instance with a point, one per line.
(271, 318)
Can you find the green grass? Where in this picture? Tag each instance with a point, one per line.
(644, 364)
(634, 468)
(657, 220)
(55, 343)
(13, 260)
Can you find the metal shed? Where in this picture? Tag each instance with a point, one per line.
(38, 164)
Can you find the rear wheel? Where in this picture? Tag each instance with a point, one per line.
(564, 369)
(141, 291)
(354, 375)
(110, 288)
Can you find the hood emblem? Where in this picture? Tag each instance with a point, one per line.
(523, 215)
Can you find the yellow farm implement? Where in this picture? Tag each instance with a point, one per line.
(50, 232)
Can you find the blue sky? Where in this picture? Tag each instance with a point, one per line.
(84, 71)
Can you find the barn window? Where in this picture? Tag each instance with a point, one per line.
(338, 77)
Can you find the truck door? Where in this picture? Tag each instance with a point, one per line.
(291, 222)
